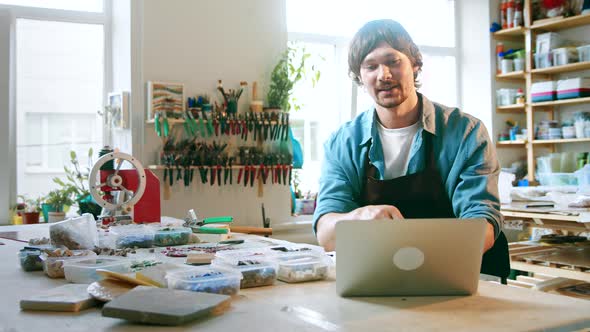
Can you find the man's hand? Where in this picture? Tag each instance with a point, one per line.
(370, 212)
(326, 226)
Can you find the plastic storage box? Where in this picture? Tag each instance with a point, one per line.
(576, 87)
(172, 237)
(545, 42)
(255, 266)
(54, 266)
(543, 60)
(133, 236)
(83, 270)
(543, 91)
(564, 55)
(583, 176)
(301, 268)
(255, 273)
(584, 53)
(30, 259)
(557, 179)
(208, 279)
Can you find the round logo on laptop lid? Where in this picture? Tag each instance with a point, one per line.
(408, 258)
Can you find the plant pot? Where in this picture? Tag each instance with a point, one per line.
(56, 216)
(30, 218)
(46, 208)
(87, 204)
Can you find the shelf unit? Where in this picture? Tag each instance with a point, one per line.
(527, 35)
(573, 223)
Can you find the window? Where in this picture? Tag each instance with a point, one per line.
(336, 99)
(60, 86)
(78, 5)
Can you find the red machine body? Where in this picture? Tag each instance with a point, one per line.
(147, 209)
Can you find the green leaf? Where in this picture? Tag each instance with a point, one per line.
(73, 155)
(90, 153)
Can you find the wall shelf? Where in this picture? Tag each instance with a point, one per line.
(515, 75)
(557, 24)
(510, 34)
(516, 108)
(563, 69)
(511, 143)
(572, 101)
(560, 141)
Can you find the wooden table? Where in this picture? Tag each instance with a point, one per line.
(310, 306)
(545, 218)
(549, 217)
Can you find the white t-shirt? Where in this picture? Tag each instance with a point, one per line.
(397, 144)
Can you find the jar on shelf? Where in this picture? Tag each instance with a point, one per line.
(520, 99)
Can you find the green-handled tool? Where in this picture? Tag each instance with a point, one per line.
(165, 124)
(199, 226)
(157, 124)
(214, 220)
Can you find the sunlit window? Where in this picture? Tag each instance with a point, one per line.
(78, 5)
(59, 73)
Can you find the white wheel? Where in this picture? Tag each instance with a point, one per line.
(115, 180)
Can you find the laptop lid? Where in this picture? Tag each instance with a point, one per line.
(411, 257)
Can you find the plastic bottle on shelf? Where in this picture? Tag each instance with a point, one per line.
(503, 14)
(510, 13)
(517, 14)
(520, 100)
(499, 57)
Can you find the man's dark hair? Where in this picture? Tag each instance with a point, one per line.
(374, 33)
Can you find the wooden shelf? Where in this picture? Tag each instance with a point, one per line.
(560, 141)
(515, 75)
(561, 23)
(571, 101)
(509, 34)
(511, 143)
(516, 108)
(563, 69)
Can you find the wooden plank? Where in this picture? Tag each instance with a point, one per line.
(522, 266)
(529, 280)
(515, 75)
(557, 24)
(509, 34)
(561, 141)
(571, 101)
(570, 258)
(520, 284)
(576, 66)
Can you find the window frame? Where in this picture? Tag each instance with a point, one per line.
(16, 12)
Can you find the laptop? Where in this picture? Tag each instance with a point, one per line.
(410, 257)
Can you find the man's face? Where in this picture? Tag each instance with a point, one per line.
(388, 76)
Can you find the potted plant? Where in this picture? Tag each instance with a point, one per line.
(56, 200)
(77, 184)
(32, 208)
(293, 66)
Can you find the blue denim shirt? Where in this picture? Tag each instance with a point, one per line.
(466, 160)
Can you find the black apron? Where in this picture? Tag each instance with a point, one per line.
(422, 195)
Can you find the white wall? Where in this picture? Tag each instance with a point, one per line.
(7, 100)
(197, 43)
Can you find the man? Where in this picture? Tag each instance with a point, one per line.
(408, 157)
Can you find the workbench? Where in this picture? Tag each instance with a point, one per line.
(312, 306)
(577, 221)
